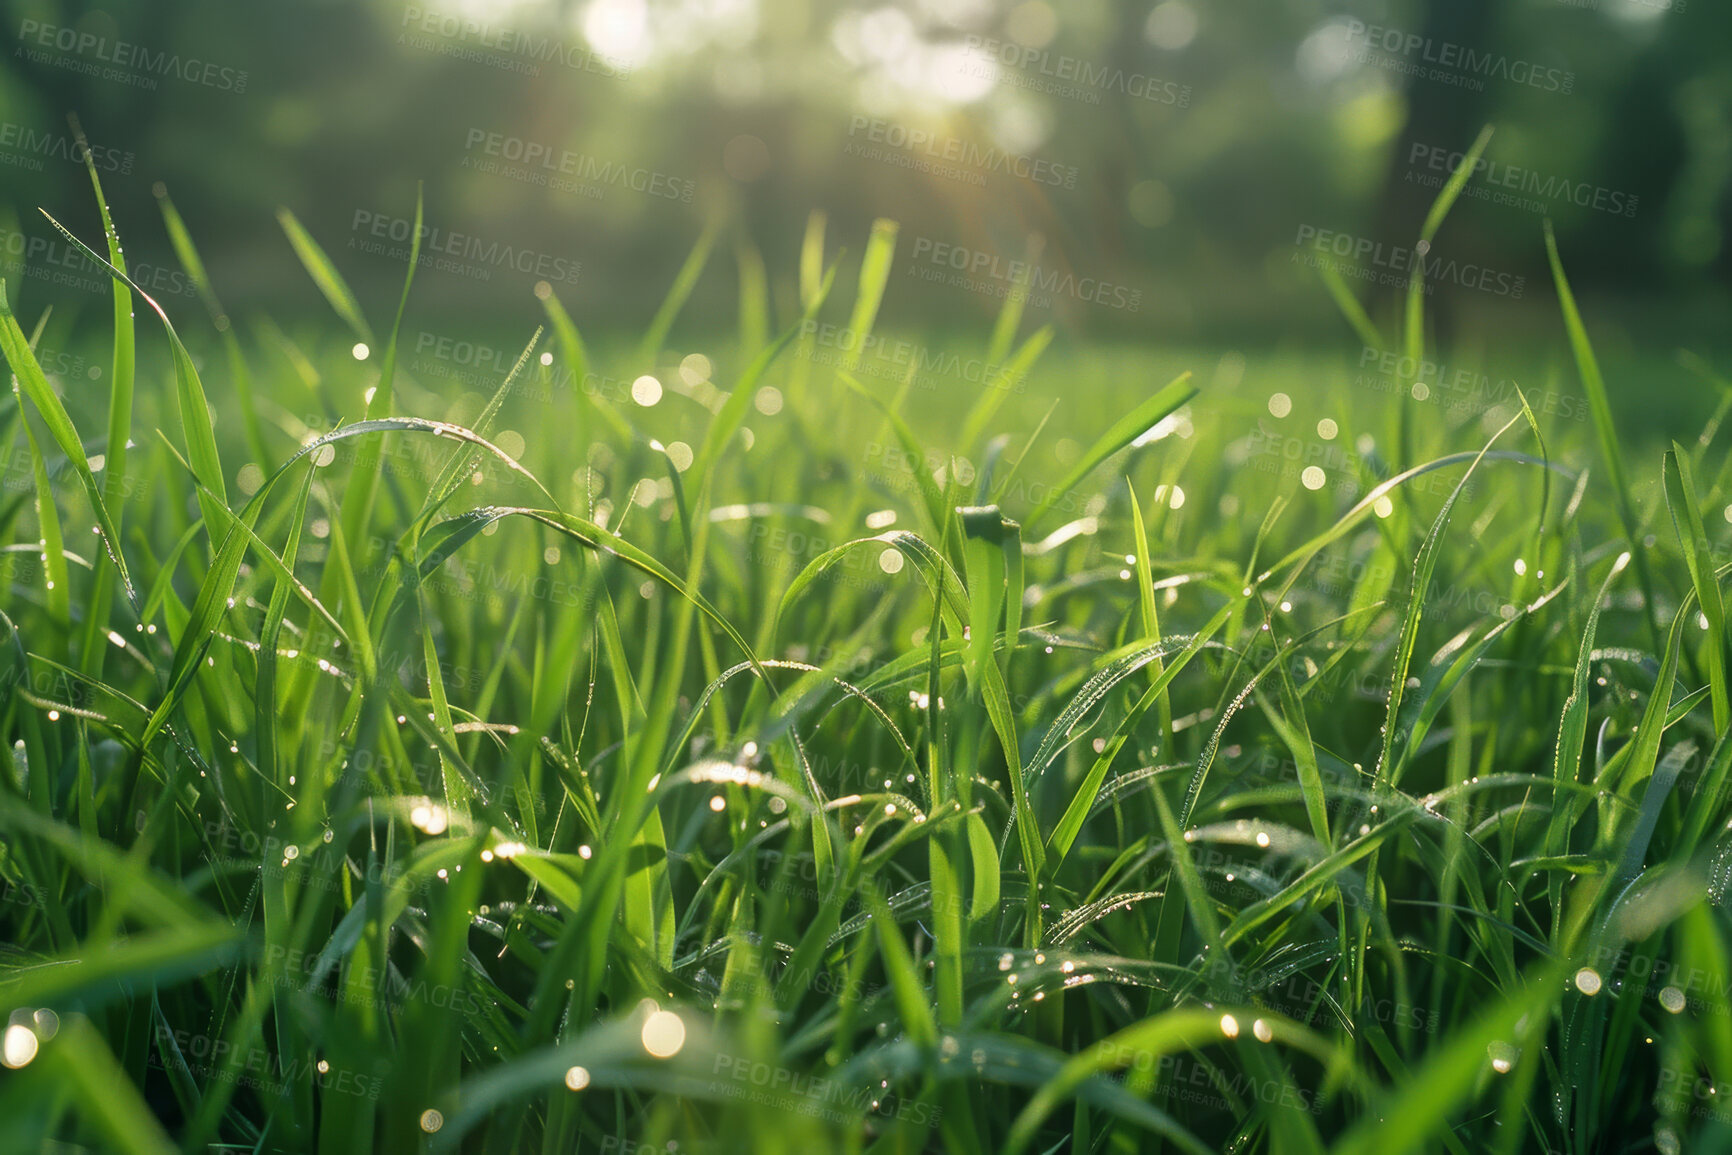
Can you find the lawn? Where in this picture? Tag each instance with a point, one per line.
(793, 741)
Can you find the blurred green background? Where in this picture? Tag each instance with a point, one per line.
(1172, 165)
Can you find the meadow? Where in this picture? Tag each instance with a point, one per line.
(812, 740)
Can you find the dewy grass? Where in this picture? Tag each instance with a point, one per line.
(751, 766)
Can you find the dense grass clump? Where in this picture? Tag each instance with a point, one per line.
(732, 752)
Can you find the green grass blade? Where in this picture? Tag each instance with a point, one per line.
(1403, 1119)
(577, 362)
(754, 295)
(684, 282)
(874, 276)
(1082, 803)
(1122, 432)
(1414, 317)
(733, 411)
(1389, 767)
(1008, 376)
(28, 371)
(1350, 307)
(1605, 427)
(1171, 1033)
(1010, 315)
(56, 585)
(1680, 488)
(325, 275)
(122, 374)
(195, 414)
(180, 237)
(79, 1061)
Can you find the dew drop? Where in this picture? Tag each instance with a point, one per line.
(18, 1046)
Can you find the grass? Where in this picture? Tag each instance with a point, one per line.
(767, 757)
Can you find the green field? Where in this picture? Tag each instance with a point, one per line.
(752, 744)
